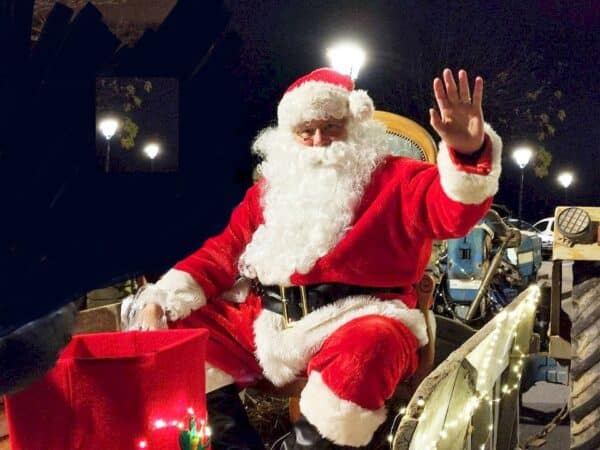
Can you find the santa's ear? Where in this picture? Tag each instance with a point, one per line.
(361, 105)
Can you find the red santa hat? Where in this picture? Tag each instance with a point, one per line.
(323, 93)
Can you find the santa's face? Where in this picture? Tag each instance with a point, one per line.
(310, 193)
(321, 133)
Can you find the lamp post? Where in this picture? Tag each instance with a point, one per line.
(346, 58)
(522, 156)
(108, 127)
(151, 150)
(565, 179)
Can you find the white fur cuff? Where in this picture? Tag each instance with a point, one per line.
(177, 293)
(341, 421)
(470, 188)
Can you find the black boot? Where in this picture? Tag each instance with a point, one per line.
(304, 435)
(231, 429)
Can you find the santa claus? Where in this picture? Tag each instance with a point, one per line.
(313, 275)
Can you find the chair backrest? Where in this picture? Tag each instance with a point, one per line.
(407, 138)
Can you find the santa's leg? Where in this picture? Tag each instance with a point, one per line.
(355, 371)
(230, 365)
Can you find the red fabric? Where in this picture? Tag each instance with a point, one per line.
(107, 390)
(364, 360)
(324, 75)
(231, 342)
(479, 163)
(403, 209)
(389, 243)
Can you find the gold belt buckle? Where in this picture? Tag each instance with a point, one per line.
(287, 323)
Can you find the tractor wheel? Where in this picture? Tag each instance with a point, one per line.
(585, 367)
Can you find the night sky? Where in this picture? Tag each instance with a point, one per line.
(283, 40)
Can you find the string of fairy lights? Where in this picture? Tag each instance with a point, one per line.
(506, 323)
(195, 437)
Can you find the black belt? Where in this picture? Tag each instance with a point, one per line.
(295, 302)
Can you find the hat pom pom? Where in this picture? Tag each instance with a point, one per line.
(361, 105)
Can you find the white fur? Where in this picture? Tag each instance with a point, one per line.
(341, 421)
(309, 198)
(470, 188)
(361, 105)
(284, 352)
(177, 293)
(313, 100)
(239, 291)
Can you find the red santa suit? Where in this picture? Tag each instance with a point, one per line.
(356, 349)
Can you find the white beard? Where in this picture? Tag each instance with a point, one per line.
(309, 198)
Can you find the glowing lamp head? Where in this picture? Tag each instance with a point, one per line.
(522, 156)
(347, 59)
(151, 150)
(565, 179)
(108, 127)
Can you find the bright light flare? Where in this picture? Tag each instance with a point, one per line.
(346, 58)
(522, 156)
(565, 179)
(108, 127)
(151, 150)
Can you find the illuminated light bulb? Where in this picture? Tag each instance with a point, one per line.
(180, 425)
(207, 431)
(420, 402)
(490, 427)
(390, 438)
(190, 410)
(143, 444)
(443, 434)
(160, 424)
(403, 410)
(174, 423)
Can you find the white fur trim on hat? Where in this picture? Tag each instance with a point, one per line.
(470, 188)
(341, 421)
(284, 352)
(313, 100)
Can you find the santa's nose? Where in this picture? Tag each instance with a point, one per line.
(319, 139)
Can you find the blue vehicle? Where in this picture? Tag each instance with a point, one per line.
(485, 270)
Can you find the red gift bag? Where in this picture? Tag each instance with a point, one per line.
(113, 391)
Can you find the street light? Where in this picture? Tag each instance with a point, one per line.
(346, 58)
(108, 127)
(565, 179)
(151, 150)
(522, 156)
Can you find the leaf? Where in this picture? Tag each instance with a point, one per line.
(502, 76)
(137, 101)
(558, 94)
(127, 142)
(127, 107)
(544, 117)
(128, 133)
(542, 161)
(148, 86)
(562, 115)
(130, 88)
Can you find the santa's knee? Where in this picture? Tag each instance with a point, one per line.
(355, 371)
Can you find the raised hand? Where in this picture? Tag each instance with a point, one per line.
(459, 121)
